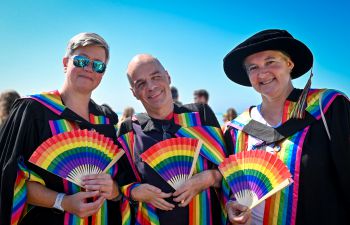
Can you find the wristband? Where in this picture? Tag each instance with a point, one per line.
(58, 201)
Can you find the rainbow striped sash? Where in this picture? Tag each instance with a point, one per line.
(19, 205)
(213, 147)
(281, 208)
(188, 119)
(98, 119)
(145, 213)
(214, 150)
(52, 100)
(327, 97)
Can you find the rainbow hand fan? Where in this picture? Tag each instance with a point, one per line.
(173, 159)
(74, 154)
(254, 176)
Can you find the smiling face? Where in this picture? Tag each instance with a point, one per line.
(269, 73)
(84, 80)
(150, 83)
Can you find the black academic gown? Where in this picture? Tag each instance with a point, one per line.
(26, 128)
(151, 133)
(324, 182)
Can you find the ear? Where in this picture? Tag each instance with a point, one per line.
(133, 93)
(65, 64)
(290, 64)
(168, 76)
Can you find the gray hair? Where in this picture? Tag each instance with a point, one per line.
(86, 39)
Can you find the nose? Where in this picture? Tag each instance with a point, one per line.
(150, 85)
(88, 67)
(262, 71)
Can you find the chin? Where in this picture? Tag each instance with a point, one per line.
(85, 90)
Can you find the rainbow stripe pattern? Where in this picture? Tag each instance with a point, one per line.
(60, 126)
(213, 147)
(98, 119)
(187, 119)
(127, 143)
(74, 154)
(327, 96)
(19, 206)
(173, 159)
(51, 100)
(254, 176)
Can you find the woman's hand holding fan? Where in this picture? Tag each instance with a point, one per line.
(253, 176)
(81, 205)
(238, 214)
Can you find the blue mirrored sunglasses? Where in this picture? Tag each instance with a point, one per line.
(82, 61)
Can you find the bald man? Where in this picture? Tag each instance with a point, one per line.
(150, 84)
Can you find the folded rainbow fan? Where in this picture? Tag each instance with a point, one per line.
(74, 154)
(253, 176)
(173, 159)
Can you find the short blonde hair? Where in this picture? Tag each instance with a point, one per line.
(86, 39)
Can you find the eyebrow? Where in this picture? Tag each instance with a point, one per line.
(94, 59)
(151, 74)
(270, 57)
(155, 72)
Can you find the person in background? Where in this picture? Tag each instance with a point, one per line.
(128, 112)
(308, 129)
(231, 114)
(225, 121)
(7, 98)
(201, 96)
(175, 95)
(193, 203)
(34, 119)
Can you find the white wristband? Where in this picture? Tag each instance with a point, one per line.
(58, 201)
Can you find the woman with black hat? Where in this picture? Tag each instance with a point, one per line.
(309, 130)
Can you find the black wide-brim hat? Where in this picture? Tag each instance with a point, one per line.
(273, 39)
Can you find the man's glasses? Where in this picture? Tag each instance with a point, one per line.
(82, 61)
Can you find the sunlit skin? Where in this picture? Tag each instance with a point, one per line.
(83, 80)
(150, 84)
(238, 214)
(269, 74)
(80, 82)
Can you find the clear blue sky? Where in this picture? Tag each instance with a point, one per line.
(189, 37)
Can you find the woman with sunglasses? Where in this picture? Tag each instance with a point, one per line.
(30, 195)
(309, 130)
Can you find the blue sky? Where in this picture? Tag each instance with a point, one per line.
(190, 38)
